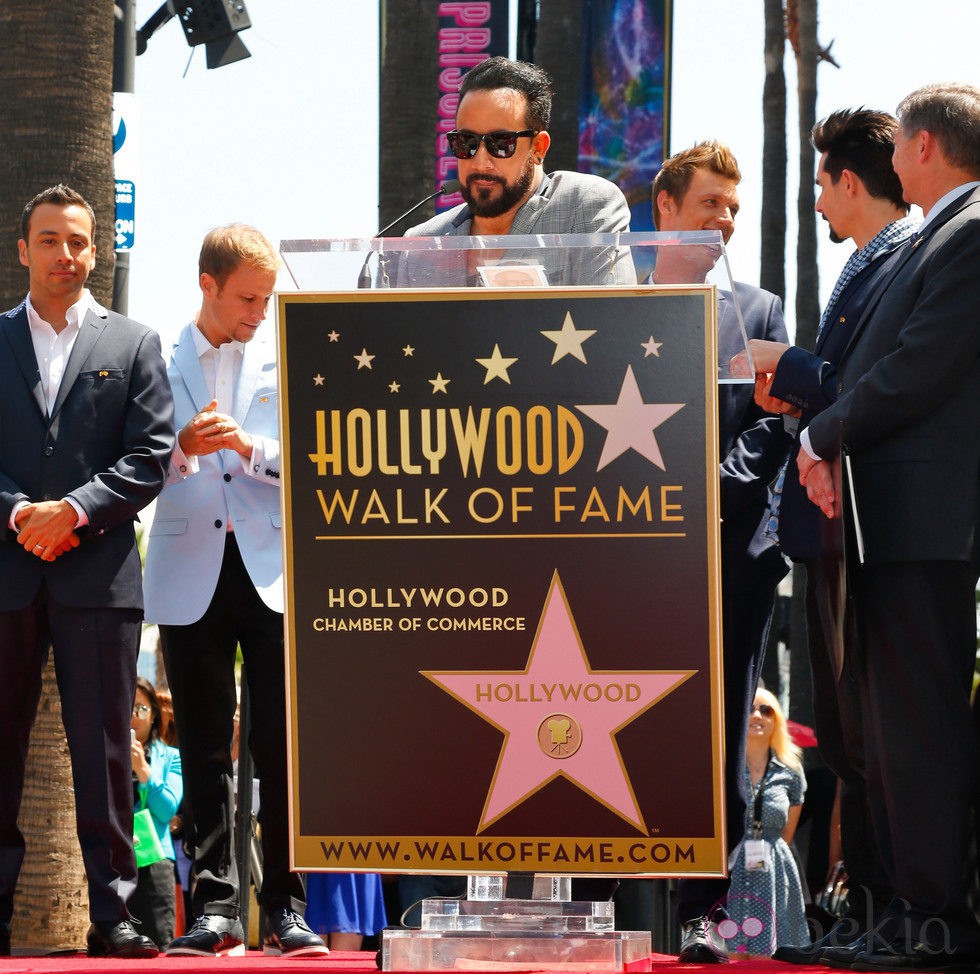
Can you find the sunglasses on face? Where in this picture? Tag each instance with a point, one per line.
(500, 145)
(763, 709)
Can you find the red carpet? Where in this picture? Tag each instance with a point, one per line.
(341, 962)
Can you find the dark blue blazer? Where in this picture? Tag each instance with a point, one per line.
(752, 444)
(908, 403)
(808, 380)
(107, 442)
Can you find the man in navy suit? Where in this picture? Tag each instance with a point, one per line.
(86, 433)
(861, 199)
(697, 190)
(214, 582)
(906, 422)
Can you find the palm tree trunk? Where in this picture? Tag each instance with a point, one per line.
(51, 903)
(56, 92)
(807, 284)
(772, 272)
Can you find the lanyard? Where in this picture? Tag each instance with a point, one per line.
(757, 811)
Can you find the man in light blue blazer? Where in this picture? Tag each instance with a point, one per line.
(213, 581)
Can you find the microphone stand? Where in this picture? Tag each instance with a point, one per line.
(446, 189)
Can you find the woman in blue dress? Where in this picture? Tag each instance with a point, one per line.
(345, 907)
(765, 899)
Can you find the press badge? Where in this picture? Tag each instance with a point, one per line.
(758, 855)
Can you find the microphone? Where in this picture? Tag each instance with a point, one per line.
(449, 187)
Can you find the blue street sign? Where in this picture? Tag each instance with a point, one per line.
(125, 214)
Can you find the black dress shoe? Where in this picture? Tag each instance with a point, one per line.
(118, 940)
(210, 936)
(699, 945)
(902, 956)
(841, 933)
(843, 957)
(289, 936)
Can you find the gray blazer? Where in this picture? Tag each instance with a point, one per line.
(565, 203)
(908, 410)
(107, 443)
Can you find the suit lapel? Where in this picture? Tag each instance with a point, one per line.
(908, 250)
(189, 365)
(18, 332)
(527, 215)
(89, 332)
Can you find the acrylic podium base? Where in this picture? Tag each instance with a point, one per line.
(502, 934)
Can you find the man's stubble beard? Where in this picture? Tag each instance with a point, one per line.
(482, 204)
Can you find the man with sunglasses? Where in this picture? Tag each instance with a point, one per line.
(500, 141)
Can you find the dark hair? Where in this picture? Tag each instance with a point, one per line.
(532, 82)
(677, 172)
(951, 113)
(60, 195)
(144, 685)
(862, 141)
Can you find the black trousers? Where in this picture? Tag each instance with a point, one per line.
(838, 721)
(154, 904)
(200, 661)
(95, 654)
(916, 654)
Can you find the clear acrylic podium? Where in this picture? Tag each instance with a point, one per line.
(632, 260)
(489, 930)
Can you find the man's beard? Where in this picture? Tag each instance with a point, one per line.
(481, 203)
(835, 237)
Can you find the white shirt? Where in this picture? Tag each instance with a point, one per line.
(52, 350)
(221, 368)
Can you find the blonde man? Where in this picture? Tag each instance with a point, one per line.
(214, 582)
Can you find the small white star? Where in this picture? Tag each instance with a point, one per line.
(334, 336)
(318, 379)
(393, 387)
(439, 384)
(569, 340)
(363, 360)
(408, 351)
(650, 347)
(496, 366)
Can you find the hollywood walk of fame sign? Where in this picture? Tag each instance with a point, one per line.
(501, 532)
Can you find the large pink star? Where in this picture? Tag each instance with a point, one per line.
(630, 422)
(559, 717)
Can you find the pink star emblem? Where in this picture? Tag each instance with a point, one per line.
(559, 717)
(630, 422)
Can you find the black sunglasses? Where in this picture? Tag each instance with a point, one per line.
(763, 709)
(501, 145)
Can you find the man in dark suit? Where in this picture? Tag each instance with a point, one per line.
(861, 199)
(86, 433)
(697, 190)
(906, 422)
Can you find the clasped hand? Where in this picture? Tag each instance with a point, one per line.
(209, 431)
(47, 528)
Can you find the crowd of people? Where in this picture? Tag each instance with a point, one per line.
(861, 460)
